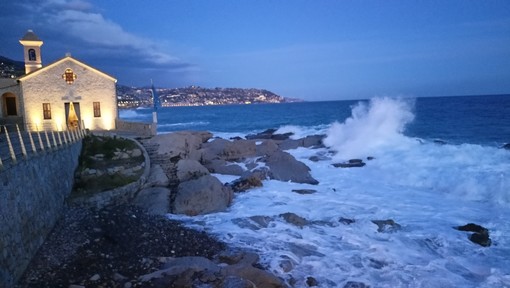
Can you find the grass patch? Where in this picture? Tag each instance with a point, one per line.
(107, 146)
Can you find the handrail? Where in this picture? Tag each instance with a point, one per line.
(13, 141)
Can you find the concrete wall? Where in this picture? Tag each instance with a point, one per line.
(32, 197)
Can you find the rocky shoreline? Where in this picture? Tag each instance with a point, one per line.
(136, 246)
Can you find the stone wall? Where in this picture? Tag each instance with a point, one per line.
(32, 195)
(136, 128)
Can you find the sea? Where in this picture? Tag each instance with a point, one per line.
(438, 163)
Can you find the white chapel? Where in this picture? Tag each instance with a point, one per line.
(62, 95)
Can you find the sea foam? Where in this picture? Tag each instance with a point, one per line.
(371, 127)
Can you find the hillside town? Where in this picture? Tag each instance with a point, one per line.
(133, 97)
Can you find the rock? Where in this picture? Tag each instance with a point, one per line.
(480, 235)
(184, 267)
(269, 134)
(346, 221)
(267, 147)
(350, 164)
(311, 282)
(201, 196)
(304, 191)
(229, 150)
(258, 277)
(353, 284)
(136, 152)
(304, 250)
(179, 143)
(253, 222)
(471, 227)
(287, 265)
(244, 184)
(260, 173)
(237, 282)
(294, 219)
(284, 167)
(221, 166)
(240, 149)
(95, 277)
(314, 141)
(481, 239)
(156, 200)
(290, 144)
(157, 177)
(190, 169)
(386, 226)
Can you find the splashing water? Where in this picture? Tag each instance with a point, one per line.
(371, 127)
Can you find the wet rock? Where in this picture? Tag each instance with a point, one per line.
(269, 134)
(350, 164)
(201, 196)
(346, 221)
(303, 250)
(386, 226)
(311, 282)
(304, 191)
(354, 284)
(480, 235)
(221, 166)
(253, 222)
(244, 184)
(267, 147)
(237, 282)
(294, 219)
(95, 277)
(258, 277)
(284, 167)
(287, 265)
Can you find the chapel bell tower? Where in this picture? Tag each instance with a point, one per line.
(32, 51)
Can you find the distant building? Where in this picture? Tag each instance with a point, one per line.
(65, 93)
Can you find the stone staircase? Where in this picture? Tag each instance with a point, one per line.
(167, 163)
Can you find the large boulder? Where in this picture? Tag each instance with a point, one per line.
(157, 177)
(267, 147)
(190, 169)
(284, 167)
(314, 141)
(179, 143)
(156, 200)
(221, 166)
(229, 150)
(201, 196)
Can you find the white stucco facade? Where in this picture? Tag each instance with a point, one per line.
(48, 86)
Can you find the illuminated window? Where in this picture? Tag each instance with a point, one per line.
(31, 55)
(97, 109)
(46, 110)
(69, 76)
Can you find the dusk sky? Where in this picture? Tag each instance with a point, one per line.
(313, 50)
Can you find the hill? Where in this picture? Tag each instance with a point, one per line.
(10, 68)
(196, 96)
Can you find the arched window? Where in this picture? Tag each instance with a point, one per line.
(31, 55)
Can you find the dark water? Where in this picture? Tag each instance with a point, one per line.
(461, 119)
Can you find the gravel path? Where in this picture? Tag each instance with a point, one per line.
(111, 248)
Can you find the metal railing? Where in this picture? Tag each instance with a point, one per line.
(17, 145)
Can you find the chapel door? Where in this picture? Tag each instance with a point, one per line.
(72, 115)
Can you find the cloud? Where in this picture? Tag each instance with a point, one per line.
(77, 25)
